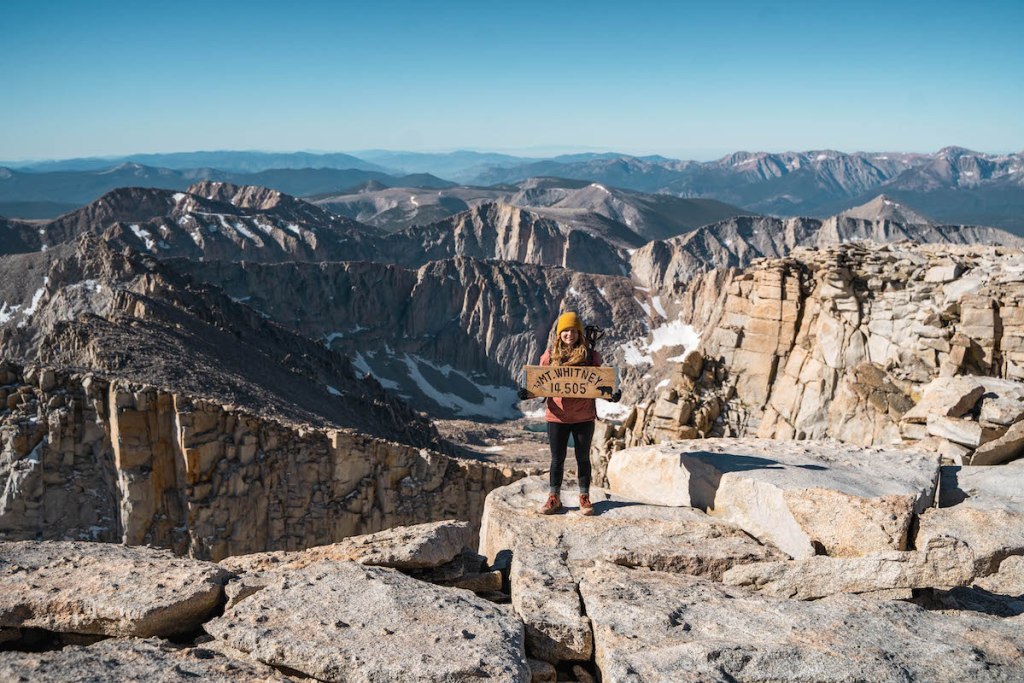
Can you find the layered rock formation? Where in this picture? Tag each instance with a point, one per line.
(843, 342)
(82, 457)
(804, 498)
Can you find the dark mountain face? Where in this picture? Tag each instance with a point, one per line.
(450, 336)
(220, 221)
(83, 305)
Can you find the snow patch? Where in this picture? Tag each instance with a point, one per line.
(676, 333)
(656, 302)
(497, 400)
(178, 196)
(634, 353)
(7, 312)
(669, 335)
(573, 291)
(242, 229)
(646, 307)
(143, 235)
(332, 391)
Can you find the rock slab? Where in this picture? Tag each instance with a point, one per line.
(944, 563)
(105, 589)
(653, 626)
(804, 497)
(342, 621)
(621, 531)
(117, 660)
(984, 508)
(419, 546)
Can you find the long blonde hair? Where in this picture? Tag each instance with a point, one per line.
(563, 354)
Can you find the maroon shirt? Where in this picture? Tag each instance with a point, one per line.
(570, 410)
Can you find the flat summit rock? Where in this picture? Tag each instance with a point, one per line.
(549, 550)
(654, 626)
(343, 621)
(803, 497)
(621, 531)
(105, 589)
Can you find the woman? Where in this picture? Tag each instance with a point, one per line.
(569, 416)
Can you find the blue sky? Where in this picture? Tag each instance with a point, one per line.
(692, 80)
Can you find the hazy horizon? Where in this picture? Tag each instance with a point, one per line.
(538, 153)
(683, 80)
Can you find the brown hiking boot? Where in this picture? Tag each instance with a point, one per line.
(585, 507)
(551, 506)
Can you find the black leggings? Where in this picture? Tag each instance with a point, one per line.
(558, 439)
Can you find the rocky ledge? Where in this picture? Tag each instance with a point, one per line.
(689, 590)
(772, 560)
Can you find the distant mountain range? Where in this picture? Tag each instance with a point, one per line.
(47, 194)
(625, 217)
(953, 185)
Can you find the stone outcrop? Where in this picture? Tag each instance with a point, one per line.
(844, 341)
(87, 458)
(653, 626)
(437, 552)
(116, 660)
(944, 562)
(621, 531)
(407, 547)
(981, 506)
(548, 551)
(105, 589)
(805, 498)
(342, 621)
(1009, 580)
(545, 597)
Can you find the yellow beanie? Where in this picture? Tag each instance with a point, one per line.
(567, 321)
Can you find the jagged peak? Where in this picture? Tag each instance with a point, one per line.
(884, 207)
(953, 152)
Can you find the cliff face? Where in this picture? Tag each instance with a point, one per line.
(464, 325)
(86, 458)
(843, 341)
(504, 232)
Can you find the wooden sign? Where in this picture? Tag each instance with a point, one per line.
(575, 381)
